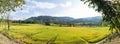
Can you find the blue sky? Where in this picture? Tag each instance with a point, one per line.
(59, 8)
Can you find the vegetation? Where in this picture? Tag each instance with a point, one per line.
(110, 10)
(41, 34)
(10, 5)
(7, 6)
(62, 21)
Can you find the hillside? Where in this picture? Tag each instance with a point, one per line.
(89, 19)
(64, 20)
(50, 18)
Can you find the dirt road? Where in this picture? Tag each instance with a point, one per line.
(5, 40)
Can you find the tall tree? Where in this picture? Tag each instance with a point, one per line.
(7, 6)
(110, 10)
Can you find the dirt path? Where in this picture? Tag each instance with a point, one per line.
(5, 40)
(114, 41)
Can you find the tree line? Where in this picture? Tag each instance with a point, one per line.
(61, 21)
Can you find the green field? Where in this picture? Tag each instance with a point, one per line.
(40, 34)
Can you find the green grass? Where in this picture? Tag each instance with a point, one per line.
(40, 34)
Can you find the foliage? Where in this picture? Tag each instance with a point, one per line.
(63, 21)
(7, 6)
(40, 34)
(10, 5)
(110, 10)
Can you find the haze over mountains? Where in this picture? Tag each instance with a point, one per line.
(65, 20)
(88, 19)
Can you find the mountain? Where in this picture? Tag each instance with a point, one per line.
(89, 19)
(50, 19)
(65, 20)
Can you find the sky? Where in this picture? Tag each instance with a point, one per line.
(59, 8)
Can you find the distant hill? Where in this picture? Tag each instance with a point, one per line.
(89, 20)
(50, 19)
(65, 20)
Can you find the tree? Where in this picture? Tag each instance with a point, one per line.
(47, 23)
(6, 6)
(110, 10)
(10, 5)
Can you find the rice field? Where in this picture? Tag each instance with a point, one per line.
(40, 34)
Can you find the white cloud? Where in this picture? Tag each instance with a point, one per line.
(72, 9)
(81, 11)
(67, 4)
(20, 17)
(43, 5)
(36, 14)
(26, 9)
(12, 13)
(48, 5)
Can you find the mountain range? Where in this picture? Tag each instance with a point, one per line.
(65, 20)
